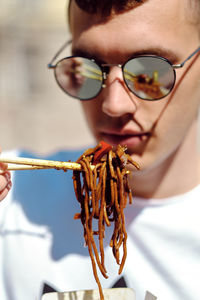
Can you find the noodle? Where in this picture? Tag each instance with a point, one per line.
(102, 193)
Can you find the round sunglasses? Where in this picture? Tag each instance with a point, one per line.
(149, 77)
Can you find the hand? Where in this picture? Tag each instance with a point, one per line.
(5, 181)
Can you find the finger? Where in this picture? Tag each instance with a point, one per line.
(4, 180)
(3, 167)
(5, 184)
(4, 193)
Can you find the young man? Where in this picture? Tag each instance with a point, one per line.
(161, 135)
(138, 64)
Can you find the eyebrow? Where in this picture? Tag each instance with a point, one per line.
(87, 53)
(173, 57)
(162, 52)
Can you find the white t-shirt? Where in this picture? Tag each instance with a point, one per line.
(42, 247)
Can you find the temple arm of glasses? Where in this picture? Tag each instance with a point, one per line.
(190, 56)
(58, 52)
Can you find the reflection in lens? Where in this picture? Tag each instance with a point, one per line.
(150, 78)
(79, 77)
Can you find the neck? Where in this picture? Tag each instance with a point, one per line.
(178, 174)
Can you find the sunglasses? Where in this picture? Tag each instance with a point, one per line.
(148, 77)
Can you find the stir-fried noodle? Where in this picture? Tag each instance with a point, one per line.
(103, 192)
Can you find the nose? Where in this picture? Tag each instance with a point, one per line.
(117, 100)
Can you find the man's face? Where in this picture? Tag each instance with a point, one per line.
(152, 131)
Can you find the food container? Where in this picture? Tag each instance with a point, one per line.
(109, 294)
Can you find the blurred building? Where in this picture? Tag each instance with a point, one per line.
(34, 113)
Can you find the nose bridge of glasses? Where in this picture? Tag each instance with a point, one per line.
(106, 69)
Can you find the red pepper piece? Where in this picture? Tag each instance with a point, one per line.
(101, 152)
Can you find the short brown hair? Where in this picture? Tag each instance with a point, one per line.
(105, 7)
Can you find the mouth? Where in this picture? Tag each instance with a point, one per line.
(131, 140)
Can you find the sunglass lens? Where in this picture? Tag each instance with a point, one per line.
(149, 78)
(79, 77)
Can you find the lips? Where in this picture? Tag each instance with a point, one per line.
(130, 139)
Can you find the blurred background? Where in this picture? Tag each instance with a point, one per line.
(34, 113)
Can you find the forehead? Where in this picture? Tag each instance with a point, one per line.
(156, 23)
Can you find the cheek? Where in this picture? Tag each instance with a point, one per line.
(184, 101)
(187, 90)
(91, 112)
(178, 115)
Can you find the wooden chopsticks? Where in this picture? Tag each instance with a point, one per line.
(21, 163)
